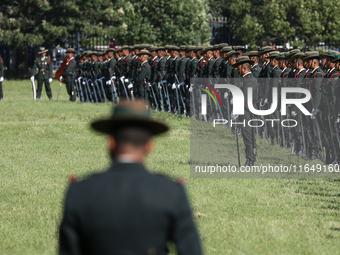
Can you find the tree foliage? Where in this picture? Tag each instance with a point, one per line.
(299, 22)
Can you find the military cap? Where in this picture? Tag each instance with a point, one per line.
(93, 53)
(332, 54)
(209, 48)
(190, 48)
(160, 48)
(183, 48)
(242, 60)
(336, 58)
(111, 50)
(226, 49)
(43, 50)
(265, 49)
(130, 113)
(167, 47)
(88, 53)
(144, 52)
(292, 52)
(71, 50)
(125, 47)
(216, 47)
(253, 53)
(281, 56)
(136, 46)
(198, 48)
(324, 54)
(297, 55)
(312, 55)
(238, 47)
(232, 52)
(175, 48)
(100, 53)
(274, 54)
(143, 46)
(152, 48)
(223, 45)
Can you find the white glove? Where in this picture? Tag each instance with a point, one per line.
(315, 112)
(126, 80)
(159, 86)
(338, 120)
(174, 86)
(79, 79)
(234, 117)
(190, 89)
(1, 79)
(108, 82)
(225, 95)
(231, 101)
(61, 78)
(186, 86)
(293, 113)
(130, 86)
(32, 78)
(149, 84)
(113, 77)
(50, 80)
(263, 103)
(84, 82)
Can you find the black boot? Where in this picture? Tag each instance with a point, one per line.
(249, 163)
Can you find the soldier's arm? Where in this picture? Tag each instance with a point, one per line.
(2, 67)
(317, 84)
(184, 234)
(50, 70)
(69, 240)
(34, 68)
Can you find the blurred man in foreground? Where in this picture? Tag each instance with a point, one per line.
(127, 210)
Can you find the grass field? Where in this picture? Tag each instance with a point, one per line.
(42, 143)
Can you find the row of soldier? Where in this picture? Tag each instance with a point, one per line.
(162, 76)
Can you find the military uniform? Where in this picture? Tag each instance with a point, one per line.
(143, 77)
(127, 209)
(69, 76)
(44, 66)
(2, 70)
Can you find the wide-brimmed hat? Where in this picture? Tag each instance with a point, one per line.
(238, 47)
(242, 60)
(226, 49)
(71, 50)
(312, 55)
(336, 59)
(274, 54)
(253, 53)
(144, 52)
(232, 52)
(297, 55)
(130, 113)
(42, 50)
(266, 49)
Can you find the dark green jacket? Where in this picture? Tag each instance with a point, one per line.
(44, 67)
(161, 69)
(2, 67)
(69, 71)
(127, 210)
(216, 73)
(209, 68)
(182, 69)
(247, 82)
(255, 69)
(144, 72)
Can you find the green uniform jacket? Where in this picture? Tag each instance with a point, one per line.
(255, 69)
(127, 210)
(2, 67)
(209, 68)
(44, 67)
(274, 82)
(182, 69)
(144, 73)
(161, 69)
(69, 71)
(217, 68)
(317, 76)
(154, 68)
(193, 68)
(247, 82)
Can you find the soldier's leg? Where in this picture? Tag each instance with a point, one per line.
(40, 84)
(247, 135)
(48, 89)
(1, 93)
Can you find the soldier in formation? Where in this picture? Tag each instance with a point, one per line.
(163, 75)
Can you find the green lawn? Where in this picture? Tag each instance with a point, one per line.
(43, 142)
